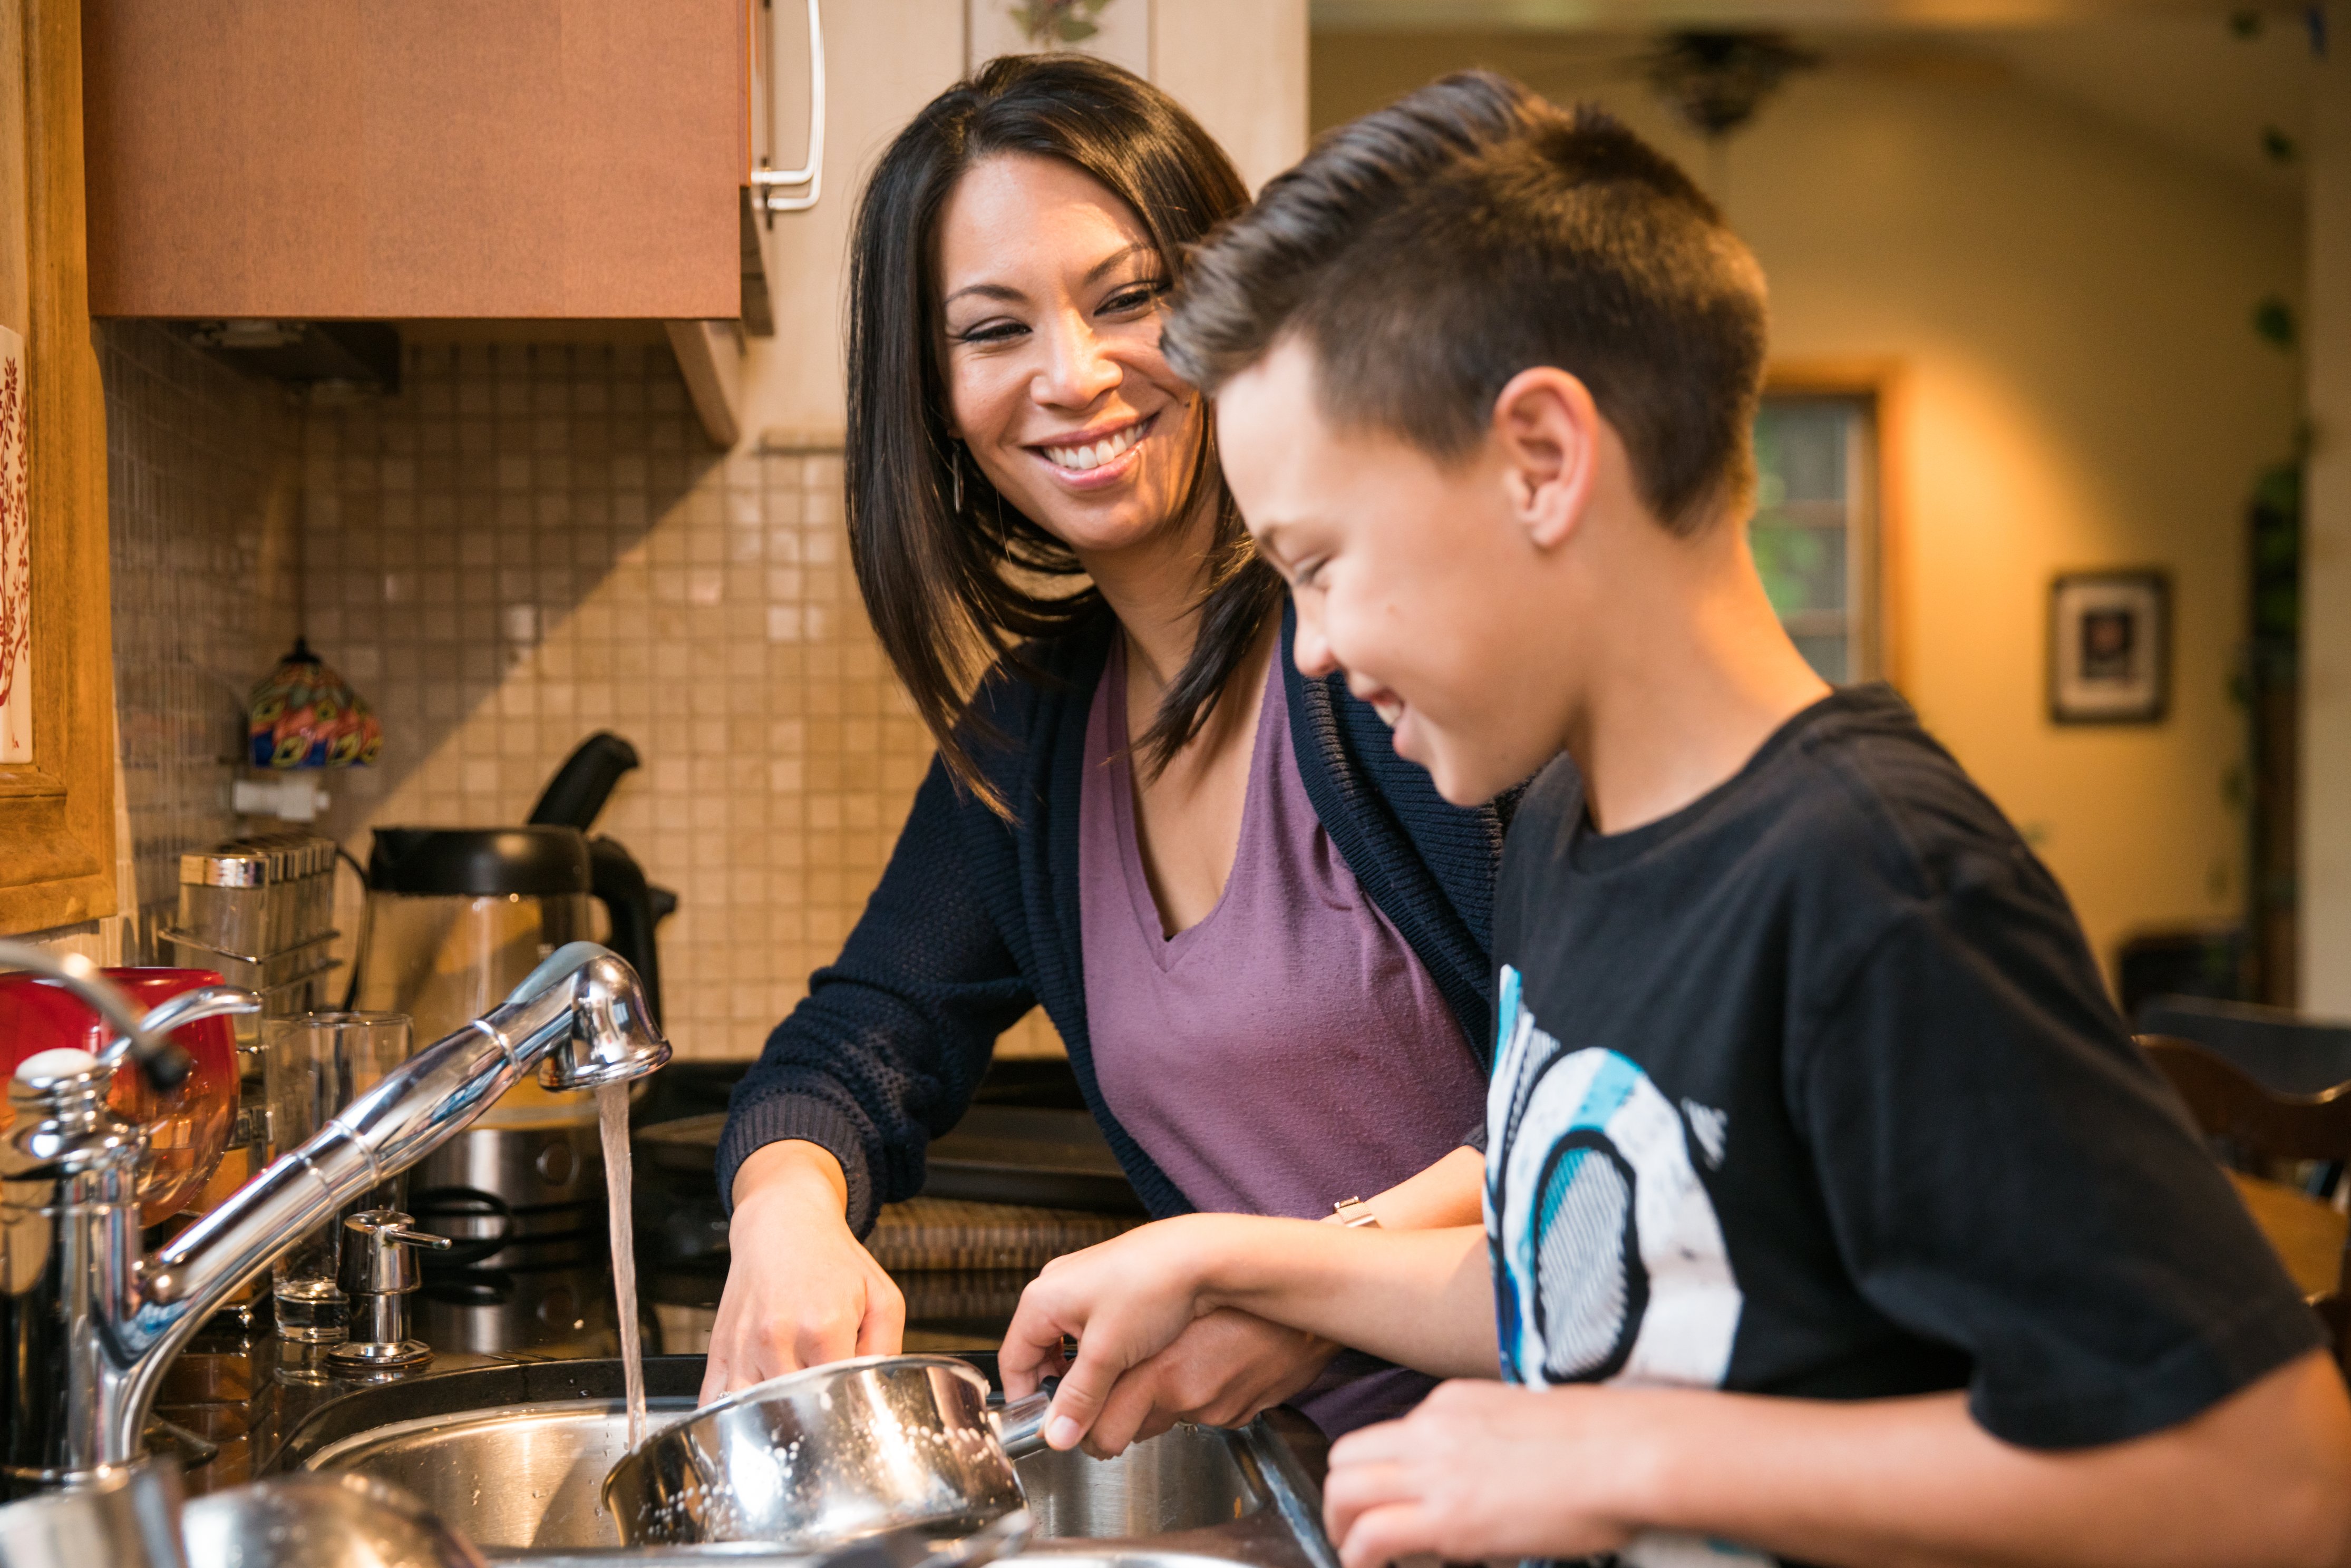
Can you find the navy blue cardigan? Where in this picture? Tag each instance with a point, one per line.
(975, 920)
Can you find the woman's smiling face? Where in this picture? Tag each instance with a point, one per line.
(1050, 305)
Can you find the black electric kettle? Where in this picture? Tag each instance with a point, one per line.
(456, 918)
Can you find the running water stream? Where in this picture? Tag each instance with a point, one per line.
(612, 1123)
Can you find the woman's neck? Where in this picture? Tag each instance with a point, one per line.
(1154, 588)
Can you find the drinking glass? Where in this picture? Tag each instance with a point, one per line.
(313, 1066)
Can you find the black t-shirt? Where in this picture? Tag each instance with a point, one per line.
(1811, 1088)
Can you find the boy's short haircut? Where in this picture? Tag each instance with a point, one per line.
(1429, 252)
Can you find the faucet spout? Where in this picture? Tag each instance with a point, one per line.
(580, 1020)
(614, 1037)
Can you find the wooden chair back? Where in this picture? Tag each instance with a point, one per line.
(2255, 1126)
(2278, 1048)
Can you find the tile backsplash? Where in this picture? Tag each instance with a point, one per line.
(203, 497)
(531, 543)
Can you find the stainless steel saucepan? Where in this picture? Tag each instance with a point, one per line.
(820, 1457)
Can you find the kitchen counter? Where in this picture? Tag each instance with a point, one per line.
(231, 1397)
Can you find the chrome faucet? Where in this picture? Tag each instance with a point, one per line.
(87, 1323)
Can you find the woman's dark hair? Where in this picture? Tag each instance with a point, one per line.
(952, 593)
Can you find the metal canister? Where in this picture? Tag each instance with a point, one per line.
(223, 899)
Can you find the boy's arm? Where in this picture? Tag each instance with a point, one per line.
(1423, 1298)
(2263, 1480)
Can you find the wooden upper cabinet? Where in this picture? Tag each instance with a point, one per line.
(401, 159)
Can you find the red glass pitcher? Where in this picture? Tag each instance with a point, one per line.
(188, 1126)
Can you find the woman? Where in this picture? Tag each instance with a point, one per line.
(1260, 934)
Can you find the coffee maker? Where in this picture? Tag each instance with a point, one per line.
(455, 917)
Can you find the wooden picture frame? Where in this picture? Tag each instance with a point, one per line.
(56, 810)
(2110, 646)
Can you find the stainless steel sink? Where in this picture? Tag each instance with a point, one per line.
(530, 1475)
(516, 1471)
(1188, 1478)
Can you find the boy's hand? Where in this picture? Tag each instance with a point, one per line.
(1423, 1298)
(1483, 1470)
(1221, 1371)
(1123, 1302)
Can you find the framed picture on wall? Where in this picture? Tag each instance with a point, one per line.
(2110, 647)
(1118, 31)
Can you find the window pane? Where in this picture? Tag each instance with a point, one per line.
(1800, 443)
(1802, 568)
(1806, 532)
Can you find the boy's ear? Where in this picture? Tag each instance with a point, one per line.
(1547, 430)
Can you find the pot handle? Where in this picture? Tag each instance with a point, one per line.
(1020, 1423)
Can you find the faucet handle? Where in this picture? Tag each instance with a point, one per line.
(376, 1257)
(379, 1275)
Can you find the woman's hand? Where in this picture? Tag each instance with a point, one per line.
(1479, 1471)
(1222, 1370)
(800, 1290)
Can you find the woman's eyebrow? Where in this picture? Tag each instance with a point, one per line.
(1006, 292)
(1003, 291)
(1113, 258)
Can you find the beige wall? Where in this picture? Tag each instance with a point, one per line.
(2070, 307)
(531, 543)
(1241, 66)
(204, 499)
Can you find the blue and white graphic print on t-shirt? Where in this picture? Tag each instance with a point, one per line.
(1609, 1263)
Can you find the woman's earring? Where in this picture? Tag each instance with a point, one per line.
(955, 465)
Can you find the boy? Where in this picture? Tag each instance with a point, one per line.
(1832, 1215)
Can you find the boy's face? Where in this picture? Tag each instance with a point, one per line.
(1411, 576)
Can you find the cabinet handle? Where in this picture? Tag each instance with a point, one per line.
(774, 184)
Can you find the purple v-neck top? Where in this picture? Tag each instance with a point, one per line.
(1288, 1051)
